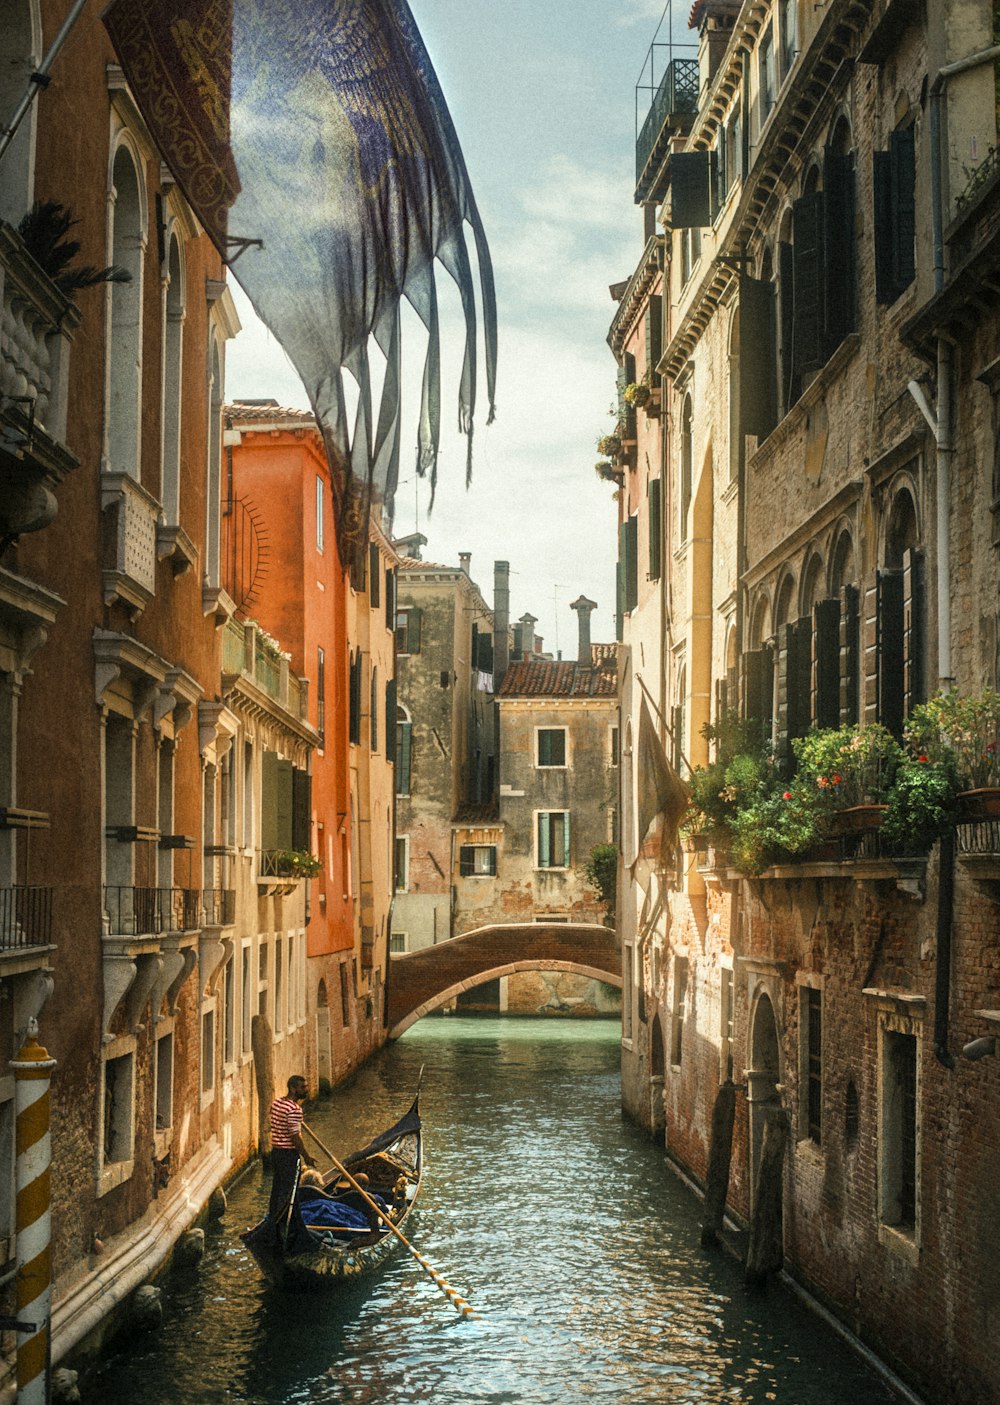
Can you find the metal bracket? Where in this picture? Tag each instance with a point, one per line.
(11, 1324)
(241, 246)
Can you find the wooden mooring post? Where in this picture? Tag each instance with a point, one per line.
(765, 1249)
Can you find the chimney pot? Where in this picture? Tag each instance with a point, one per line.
(584, 608)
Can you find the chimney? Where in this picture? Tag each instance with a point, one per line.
(584, 608)
(410, 546)
(714, 20)
(527, 623)
(501, 620)
(464, 561)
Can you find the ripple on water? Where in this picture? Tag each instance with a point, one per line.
(556, 1218)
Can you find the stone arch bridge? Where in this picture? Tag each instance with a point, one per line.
(422, 981)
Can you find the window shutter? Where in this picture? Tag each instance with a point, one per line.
(889, 635)
(631, 563)
(752, 682)
(543, 840)
(566, 846)
(800, 680)
(786, 683)
(849, 654)
(689, 182)
(374, 575)
(655, 491)
(404, 732)
(715, 202)
(767, 688)
(466, 861)
(269, 800)
(413, 618)
(914, 629)
(390, 720)
(902, 183)
(654, 334)
(628, 411)
(838, 243)
(373, 712)
(390, 599)
(677, 735)
(301, 810)
(807, 279)
(758, 371)
(619, 593)
(354, 716)
(283, 815)
(886, 290)
(474, 655)
(786, 288)
(826, 663)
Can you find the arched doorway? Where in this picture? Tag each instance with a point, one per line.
(657, 1109)
(324, 1064)
(763, 1077)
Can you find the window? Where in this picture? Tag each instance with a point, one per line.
(213, 471)
(21, 57)
(229, 1011)
(408, 630)
(898, 1131)
(374, 576)
(789, 33)
(894, 174)
(127, 218)
(404, 747)
(550, 744)
(173, 345)
(345, 995)
(319, 513)
(397, 943)
(900, 607)
(628, 994)
(477, 861)
(613, 745)
(628, 562)
(321, 696)
(553, 839)
(765, 75)
(279, 986)
(390, 598)
(248, 812)
(654, 491)
(677, 1018)
(354, 699)
(164, 1081)
(118, 1116)
(687, 466)
(246, 1011)
(207, 1052)
(811, 1063)
(373, 711)
(402, 863)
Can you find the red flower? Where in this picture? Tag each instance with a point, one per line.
(922, 758)
(823, 782)
(787, 795)
(836, 780)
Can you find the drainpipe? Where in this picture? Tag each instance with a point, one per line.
(40, 78)
(942, 967)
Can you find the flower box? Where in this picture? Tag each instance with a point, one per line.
(983, 803)
(858, 819)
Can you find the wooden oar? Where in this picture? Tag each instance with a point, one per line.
(456, 1300)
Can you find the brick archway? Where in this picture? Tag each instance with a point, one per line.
(422, 981)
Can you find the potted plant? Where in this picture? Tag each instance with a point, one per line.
(610, 445)
(964, 730)
(922, 804)
(294, 863)
(637, 394)
(852, 770)
(608, 473)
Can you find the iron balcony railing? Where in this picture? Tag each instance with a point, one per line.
(979, 838)
(676, 95)
(219, 906)
(135, 912)
(25, 917)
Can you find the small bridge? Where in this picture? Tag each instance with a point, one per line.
(424, 980)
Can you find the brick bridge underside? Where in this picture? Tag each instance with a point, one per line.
(424, 980)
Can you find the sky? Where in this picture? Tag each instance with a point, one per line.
(543, 99)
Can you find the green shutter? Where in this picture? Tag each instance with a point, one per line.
(283, 816)
(404, 739)
(689, 183)
(655, 491)
(849, 654)
(758, 362)
(466, 861)
(902, 178)
(374, 575)
(913, 629)
(301, 810)
(390, 720)
(838, 244)
(631, 563)
(269, 801)
(413, 618)
(826, 663)
(619, 596)
(889, 639)
(566, 844)
(654, 334)
(807, 330)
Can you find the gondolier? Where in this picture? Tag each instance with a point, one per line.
(286, 1143)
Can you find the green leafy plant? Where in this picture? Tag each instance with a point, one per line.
(961, 729)
(609, 473)
(921, 803)
(294, 863)
(848, 765)
(602, 873)
(637, 393)
(45, 233)
(609, 445)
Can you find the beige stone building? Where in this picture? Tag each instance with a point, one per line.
(824, 181)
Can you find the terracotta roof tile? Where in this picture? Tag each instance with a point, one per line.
(541, 678)
(487, 812)
(243, 412)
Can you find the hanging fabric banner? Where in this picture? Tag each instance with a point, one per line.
(312, 140)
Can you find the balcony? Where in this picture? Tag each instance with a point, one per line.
(246, 652)
(674, 105)
(25, 917)
(36, 325)
(218, 906)
(977, 848)
(141, 912)
(130, 562)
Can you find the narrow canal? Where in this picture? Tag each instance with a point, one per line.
(557, 1218)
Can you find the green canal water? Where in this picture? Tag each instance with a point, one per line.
(550, 1212)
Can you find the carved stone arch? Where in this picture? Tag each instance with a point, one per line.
(900, 520)
(123, 140)
(761, 628)
(812, 176)
(784, 599)
(843, 558)
(812, 586)
(841, 138)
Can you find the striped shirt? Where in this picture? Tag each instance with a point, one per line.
(286, 1121)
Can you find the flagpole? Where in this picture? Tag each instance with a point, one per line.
(663, 723)
(40, 77)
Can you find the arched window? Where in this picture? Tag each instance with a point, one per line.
(125, 342)
(173, 340)
(736, 444)
(213, 502)
(900, 616)
(758, 668)
(687, 466)
(20, 55)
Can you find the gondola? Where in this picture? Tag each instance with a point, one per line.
(328, 1233)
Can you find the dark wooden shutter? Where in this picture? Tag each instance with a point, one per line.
(354, 713)
(826, 663)
(413, 621)
(619, 592)
(474, 655)
(914, 629)
(889, 636)
(800, 678)
(627, 411)
(786, 286)
(689, 182)
(390, 720)
(807, 332)
(838, 244)
(301, 810)
(655, 526)
(390, 599)
(269, 800)
(758, 369)
(784, 663)
(885, 279)
(404, 760)
(654, 334)
(631, 562)
(466, 861)
(849, 654)
(374, 575)
(752, 661)
(902, 178)
(283, 817)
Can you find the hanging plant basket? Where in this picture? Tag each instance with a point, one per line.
(608, 473)
(610, 445)
(637, 395)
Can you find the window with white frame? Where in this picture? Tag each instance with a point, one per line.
(397, 942)
(246, 1003)
(172, 382)
(208, 1051)
(477, 861)
(613, 745)
(279, 985)
(765, 75)
(319, 513)
(118, 1108)
(127, 217)
(402, 863)
(550, 746)
(229, 1012)
(552, 839)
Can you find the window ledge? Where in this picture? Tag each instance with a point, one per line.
(174, 544)
(215, 602)
(114, 1175)
(900, 1242)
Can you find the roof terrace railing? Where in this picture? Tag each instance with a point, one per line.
(675, 96)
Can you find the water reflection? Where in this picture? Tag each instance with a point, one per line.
(542, 1205)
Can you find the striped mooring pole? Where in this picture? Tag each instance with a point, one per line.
(32, 1074)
